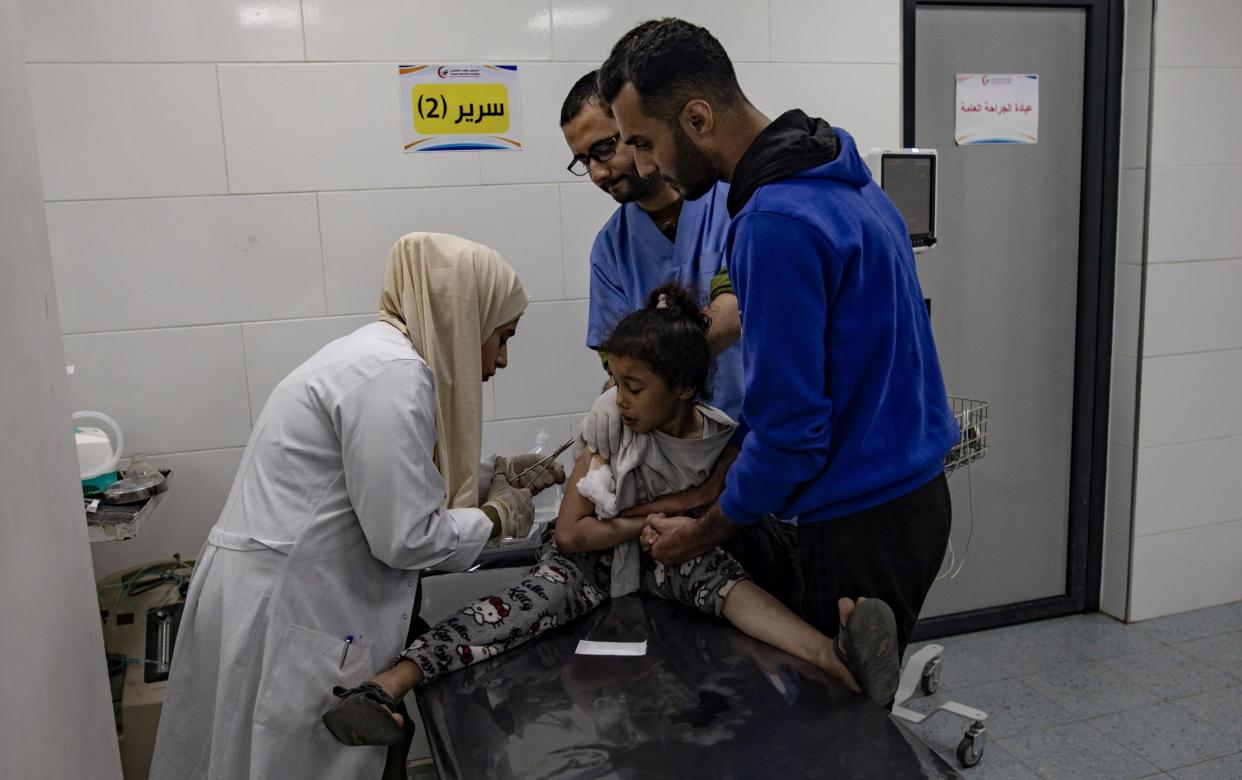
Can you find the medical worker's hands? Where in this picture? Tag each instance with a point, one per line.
(509, 466)
(602, 429)
(513, 506)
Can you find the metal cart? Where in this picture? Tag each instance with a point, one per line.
(923, 669)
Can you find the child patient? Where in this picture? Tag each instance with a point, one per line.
(660, 360)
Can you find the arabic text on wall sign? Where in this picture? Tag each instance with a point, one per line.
(997, 108)
(460, 107)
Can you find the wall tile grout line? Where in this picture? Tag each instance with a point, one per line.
(237, 448)
(447, 60)
(329, 190)
(323, 262)
(224, 146)
(239, 323)
(241, 333)
(1193, 352)
(552, 33)
(302, 24)
(331, 316)
(1189, 261)
(1187, 528)
(1192, 442)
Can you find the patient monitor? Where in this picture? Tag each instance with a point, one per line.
(908, 177)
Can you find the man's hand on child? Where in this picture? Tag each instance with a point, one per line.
(677, 539)
(682, 538)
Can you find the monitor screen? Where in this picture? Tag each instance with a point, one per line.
(910, 181)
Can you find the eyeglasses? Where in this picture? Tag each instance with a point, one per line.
(601, 152)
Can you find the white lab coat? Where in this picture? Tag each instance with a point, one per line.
(335, 509)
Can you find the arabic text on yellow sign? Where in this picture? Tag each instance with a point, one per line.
(460, 109)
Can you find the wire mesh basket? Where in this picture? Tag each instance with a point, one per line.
(972, 422)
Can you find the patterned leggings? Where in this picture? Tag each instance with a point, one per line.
(561, 588)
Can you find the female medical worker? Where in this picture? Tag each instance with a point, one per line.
(308, 578)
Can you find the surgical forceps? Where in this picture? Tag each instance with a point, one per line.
(542, 464)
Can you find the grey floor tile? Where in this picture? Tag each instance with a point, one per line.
(1012, 706)
(1228, 768)
(1077, 751)
(997, 764)
(1169, 673)
(962, 666)
(1036, 679)
(942, 734)
(1019, 651)
(1223, 651)
(1166, 735)
(1089, 689)
(1222, 708)
(914, 647)
(1099, 636)
(1194, 625)
(942, 731)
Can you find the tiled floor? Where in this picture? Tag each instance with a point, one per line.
(1089, 697)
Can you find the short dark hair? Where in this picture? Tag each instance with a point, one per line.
(669, 62)
(669, 334)
(585, 90)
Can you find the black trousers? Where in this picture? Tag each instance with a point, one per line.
(768, 551)
(891, 551)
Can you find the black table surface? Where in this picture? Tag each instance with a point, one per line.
(706, 701)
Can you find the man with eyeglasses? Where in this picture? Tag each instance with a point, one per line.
(653, 238)
(656, 237)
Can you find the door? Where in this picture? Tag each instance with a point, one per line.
(1004, 292)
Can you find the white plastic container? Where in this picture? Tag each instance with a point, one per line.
(98, 452)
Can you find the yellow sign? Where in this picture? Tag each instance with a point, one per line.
(460, 109)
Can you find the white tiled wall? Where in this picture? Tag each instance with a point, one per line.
(224, 179)
(166, 31)
(1179, 276)
(273, 349)
(586, 31)
(122, 131)
(160, 262)
(399, 29)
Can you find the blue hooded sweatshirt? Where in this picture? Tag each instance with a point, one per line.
(844, 405)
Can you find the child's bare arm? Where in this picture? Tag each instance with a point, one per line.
(579, 530)
(683, 503)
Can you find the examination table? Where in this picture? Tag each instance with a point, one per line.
(705, 701)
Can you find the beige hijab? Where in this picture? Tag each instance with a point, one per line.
(448, 295)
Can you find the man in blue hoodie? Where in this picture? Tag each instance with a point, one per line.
(845, 420)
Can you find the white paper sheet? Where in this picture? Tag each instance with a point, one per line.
(588, 647)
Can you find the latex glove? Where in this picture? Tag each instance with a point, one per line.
(601, 429)
(509, 466)
(514, 507)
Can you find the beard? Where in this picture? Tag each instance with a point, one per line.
(694, 173)
(629, 187)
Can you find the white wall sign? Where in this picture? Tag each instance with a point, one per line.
(997, 108)
(460, 107)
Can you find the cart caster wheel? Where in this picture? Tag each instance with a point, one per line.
(930, 680)
(970, 750)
